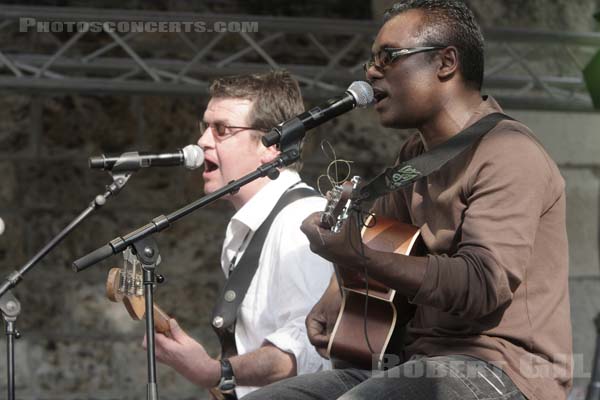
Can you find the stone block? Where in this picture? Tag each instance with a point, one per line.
(76, 125)
(170, 122)
(10, 184)
(22, 367)
(583, 190)
(55, 185)
(15, 124)
(42, 305)
(570, 138)
(60, 366)
(13, 242)
(585, 306)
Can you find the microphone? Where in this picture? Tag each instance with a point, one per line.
(359, 93)
(191, 156)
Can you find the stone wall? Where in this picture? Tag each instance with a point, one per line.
(74, 340)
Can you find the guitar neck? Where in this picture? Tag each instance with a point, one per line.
(161, 320)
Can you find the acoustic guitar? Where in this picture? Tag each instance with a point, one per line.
(358, 339)
(126, 285)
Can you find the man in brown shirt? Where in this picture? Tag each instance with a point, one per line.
(492, 305)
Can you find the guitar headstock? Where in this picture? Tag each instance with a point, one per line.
(339, 202)
(126, 285)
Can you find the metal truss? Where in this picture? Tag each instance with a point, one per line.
(177, 54)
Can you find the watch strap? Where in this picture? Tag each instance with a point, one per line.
(227, 382)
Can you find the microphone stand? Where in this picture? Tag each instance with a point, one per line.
(146, 249)
(10, 306)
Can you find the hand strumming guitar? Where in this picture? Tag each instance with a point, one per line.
(321, 319)
(188, 357)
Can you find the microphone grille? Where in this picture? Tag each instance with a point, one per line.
(362, 93)
(193, 156)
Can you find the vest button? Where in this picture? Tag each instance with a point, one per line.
(230, 296)
(218, 322)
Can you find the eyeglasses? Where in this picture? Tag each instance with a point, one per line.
(388, 55)
(222, 132)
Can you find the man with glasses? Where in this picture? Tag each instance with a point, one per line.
(270, 334)
(489, 306)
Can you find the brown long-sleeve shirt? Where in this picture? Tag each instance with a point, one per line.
(496, 283)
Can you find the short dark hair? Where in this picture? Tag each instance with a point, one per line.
(449, 23)
(275, 95)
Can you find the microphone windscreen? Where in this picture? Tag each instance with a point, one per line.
(193, 156)
(362, 93)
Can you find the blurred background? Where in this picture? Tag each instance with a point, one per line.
(68, 95)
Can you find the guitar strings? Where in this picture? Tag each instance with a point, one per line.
(360, 223)
(333, 177)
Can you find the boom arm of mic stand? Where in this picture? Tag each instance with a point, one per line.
(119, 181)
(161, 222)
(10, 306)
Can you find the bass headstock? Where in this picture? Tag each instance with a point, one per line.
(126, 285)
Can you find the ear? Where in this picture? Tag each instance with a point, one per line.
(268, 154)
(449, 63)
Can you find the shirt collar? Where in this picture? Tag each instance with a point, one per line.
(257, 209)
(488, 106)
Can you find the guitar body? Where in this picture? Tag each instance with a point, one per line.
(386, 315)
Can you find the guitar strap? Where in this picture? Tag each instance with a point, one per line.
(407, 172)
(225, 310)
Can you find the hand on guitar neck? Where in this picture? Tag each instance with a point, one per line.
(342, 248)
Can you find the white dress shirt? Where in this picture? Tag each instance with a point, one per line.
(289, 279)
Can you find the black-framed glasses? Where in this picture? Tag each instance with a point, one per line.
(221, 131)
(388, 55)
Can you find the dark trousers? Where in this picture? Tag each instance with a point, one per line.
(420, 378)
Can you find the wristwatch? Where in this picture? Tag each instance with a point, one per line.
(227, 382)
